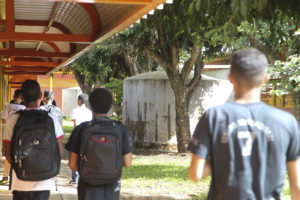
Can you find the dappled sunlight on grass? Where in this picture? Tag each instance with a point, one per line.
(163, 175)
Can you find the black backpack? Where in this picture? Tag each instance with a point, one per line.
(34, 148)
(101, 158)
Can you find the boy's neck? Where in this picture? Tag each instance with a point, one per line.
(99, 114)
(247, 96)
(31, 104)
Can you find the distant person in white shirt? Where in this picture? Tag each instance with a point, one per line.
(14, 106)
(79, 115)
(49, 106)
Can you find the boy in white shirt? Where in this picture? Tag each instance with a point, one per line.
(13, 107)
(30, 190)
(79, 115)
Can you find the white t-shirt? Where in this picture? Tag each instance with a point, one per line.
(11, 108)
(81, 114)
(18, 184)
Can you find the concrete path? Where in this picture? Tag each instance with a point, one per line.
(63, 190)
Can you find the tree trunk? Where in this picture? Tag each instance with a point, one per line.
(296, 101)
(183, 133)
(182, 119)
(83, 84)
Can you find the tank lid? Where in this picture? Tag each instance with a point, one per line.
(161, 74)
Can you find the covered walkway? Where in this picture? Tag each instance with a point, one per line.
(40, 37)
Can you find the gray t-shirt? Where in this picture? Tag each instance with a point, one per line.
(248, 145)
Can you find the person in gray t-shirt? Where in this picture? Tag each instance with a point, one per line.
(246, 145)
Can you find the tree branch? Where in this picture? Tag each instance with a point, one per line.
(157, 57)
(264, 48)
(174, 54)
(160, 33)
(199, 65)
(188, 66)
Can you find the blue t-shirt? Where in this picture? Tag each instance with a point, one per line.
(248, 146)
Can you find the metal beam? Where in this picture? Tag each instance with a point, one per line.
(31, 69)
(134, 2)
(24, 73)
(94, 17)
(10, 16)
(28, 63)
(33, 53)
(20, 36)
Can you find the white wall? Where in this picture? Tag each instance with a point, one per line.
(69, 97)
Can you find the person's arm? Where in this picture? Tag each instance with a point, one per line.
(7, 152)
(293, 168)
(127, 158)
(61, 147)
(73, 161)
(199, 168)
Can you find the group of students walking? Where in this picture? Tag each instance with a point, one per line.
(245, 145)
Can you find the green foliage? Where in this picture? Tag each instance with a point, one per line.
(274, 37)
(116, 88)
(287, 75)
(97, 65)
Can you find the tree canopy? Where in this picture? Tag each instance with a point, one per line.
(184, 33)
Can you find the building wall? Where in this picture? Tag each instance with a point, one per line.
(58, 83)
(70, 96)
(284, 102)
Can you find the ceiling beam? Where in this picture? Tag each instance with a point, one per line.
(134, 2)
(54, 24)
(10, 16)
(15, 82)
(31, 69)
(94, 17)
(24, 73)
(19, 36)
(28, 63)
(33, 53)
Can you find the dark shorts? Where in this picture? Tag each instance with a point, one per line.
(103, 192)
(31, 195)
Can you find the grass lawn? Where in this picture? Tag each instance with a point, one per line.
(67, 128)
(160, 175)
(164, 176)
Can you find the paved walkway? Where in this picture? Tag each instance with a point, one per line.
(63, 190)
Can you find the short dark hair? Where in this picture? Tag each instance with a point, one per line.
(48, 95)
(100, 100)
(17, 93)
(83, 98)
(249, 66)
(31, 90)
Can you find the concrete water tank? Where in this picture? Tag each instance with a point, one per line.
(149, 105)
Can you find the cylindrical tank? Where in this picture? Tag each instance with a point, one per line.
(149, 105)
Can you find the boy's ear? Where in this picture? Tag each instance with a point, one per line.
(266, 78)
(230, 78)
(40, 96)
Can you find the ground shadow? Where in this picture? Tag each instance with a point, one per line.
(154, 171)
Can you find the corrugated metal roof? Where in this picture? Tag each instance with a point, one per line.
(110, 13)
(33, 10)
(60, 31)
